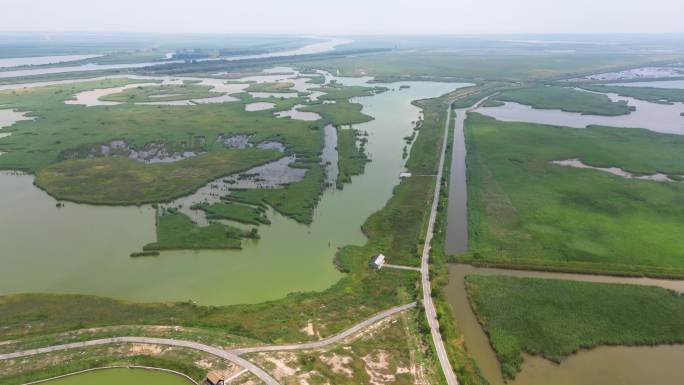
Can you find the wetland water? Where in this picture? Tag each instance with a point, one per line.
(663, 118)
(41, 60)
(122, 376)
(93, 256)
(318, 47)
(615, 365)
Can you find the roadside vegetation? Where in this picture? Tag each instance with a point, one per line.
(565, 99)
(649, 94)
(389, 352)
(525, 211)
(461, 361)
(556, 318)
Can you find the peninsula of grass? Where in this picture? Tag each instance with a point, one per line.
(284, 87)
(251, 215)
(556, 318)
(425, 151)
(176, 231)
(526, 211)
(123, 181)
(337, 91)
(649, 94)
(565, 99)
(342, 112)
(352, 158)
(163, 93)
(296, 200)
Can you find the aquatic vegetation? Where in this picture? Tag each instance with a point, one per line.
(251, 215)
(176, 231)
(556, 318)
(117, 180)
(565, 99)
(352, 158)
(526, 211)
(649, 94)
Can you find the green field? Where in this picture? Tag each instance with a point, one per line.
(555, 318)
(526, 211)
(513, 67)
(649, 94)
(563, 98)
(342, 112)
(163, 93)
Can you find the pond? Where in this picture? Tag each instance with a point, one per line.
(121, 376)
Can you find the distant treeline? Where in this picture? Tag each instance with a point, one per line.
(221, 65)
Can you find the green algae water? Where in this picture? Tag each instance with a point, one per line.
(85, 249)
(122, 376)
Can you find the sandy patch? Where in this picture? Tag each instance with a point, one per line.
(338, 364)
(377, 367)
(308, 329)
(146, 349)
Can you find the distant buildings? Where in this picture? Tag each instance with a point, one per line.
(377, 262)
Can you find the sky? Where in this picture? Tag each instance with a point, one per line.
(345, 17)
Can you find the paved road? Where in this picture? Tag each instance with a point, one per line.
(328, 341)
(430, 311)
(400, 267)
(265, 377)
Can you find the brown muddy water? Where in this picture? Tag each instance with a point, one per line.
(617, 365)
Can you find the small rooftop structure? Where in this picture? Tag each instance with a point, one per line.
(377, 262)
(405, 175)
(214, 378)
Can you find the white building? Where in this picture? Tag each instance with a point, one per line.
(378, 262)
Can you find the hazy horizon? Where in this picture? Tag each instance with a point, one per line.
(353, 17)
